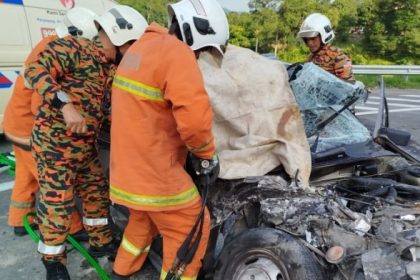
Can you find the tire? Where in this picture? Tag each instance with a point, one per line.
(267, 254)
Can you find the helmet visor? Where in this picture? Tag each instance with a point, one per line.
(308, 34)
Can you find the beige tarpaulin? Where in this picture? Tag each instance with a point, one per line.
(257, 121)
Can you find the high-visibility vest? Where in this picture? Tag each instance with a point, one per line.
(160, 110)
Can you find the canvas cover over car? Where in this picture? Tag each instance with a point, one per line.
(257, 123)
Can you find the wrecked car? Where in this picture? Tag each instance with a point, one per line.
(358, 219)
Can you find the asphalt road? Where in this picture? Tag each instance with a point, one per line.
(19, 260)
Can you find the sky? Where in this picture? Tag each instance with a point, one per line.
(235, 5)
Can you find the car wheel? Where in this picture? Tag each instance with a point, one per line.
(267, 254)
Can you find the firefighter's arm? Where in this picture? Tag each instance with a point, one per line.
(184, 89)
(343, 67)
(42, 73)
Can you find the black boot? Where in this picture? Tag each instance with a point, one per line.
(115, 276)
(109, 250)
(56, 271)
(21, 231)
(80, 236)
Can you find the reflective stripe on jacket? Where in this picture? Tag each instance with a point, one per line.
(160, 109)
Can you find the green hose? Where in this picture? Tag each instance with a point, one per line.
(73, 242)
(9, 162)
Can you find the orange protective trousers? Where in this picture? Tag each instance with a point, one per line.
(174, 226)
(24, 190)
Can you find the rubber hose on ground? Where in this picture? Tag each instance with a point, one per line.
(73, 242)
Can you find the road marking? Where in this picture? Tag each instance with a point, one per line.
(396, 99)
(410, 95)
(407, 103)
(6, 186)
(366, 108)
(391, 111)
(395, 104)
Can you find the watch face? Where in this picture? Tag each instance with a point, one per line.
(63, 97)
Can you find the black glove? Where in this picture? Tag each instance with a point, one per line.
(203, 171)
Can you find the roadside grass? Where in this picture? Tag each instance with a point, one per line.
(391, 81)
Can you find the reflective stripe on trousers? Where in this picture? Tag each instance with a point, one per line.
(22, 205)
(132, 249)
(95, 222)
(49, 249)
(164, 273)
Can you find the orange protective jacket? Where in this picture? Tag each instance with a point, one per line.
(20, 112)
(160, 109)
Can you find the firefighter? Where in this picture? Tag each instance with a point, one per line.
(160, 112)
(317, 33)
(18, 123)
(72, 75)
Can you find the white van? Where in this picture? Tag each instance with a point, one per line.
(23, 24)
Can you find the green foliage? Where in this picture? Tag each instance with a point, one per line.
(262, 4)
(370, 31)
(393, 29)
(264, 27)
(402, 82)
(296, 54)
(152, 10)
(240, 32)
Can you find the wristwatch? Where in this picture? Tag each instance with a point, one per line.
(62, 99)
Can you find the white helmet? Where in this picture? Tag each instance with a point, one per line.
(122, 24)
(78, 21)
(202, 23)
(315, 24)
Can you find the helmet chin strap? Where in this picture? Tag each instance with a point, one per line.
(175, 29)
(118, 56)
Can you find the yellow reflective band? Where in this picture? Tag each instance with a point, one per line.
(201, 148)
(163, 274)
(137, 88)
(156, 201)
(22, 205)
(132, 249)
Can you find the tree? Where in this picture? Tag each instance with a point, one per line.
(255, 5)
(240, 33)
(264, 26)
(344, 18)
(388, 28)
(393, 29)
(155, 10)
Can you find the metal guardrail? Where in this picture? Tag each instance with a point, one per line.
(387, 69)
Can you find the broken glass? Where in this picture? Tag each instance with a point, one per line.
(320, 95)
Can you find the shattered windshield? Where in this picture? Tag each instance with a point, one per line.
(320, 96)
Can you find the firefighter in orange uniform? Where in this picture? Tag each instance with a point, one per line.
(18, 123)
(160, 112)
